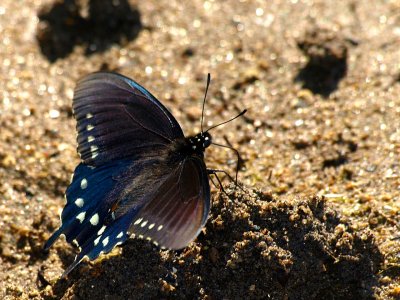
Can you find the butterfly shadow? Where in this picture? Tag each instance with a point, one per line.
(96, 26)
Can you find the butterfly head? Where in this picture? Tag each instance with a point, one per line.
(200, 141)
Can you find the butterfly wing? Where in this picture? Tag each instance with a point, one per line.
(117, 122)
(118, 118)
(177, 210)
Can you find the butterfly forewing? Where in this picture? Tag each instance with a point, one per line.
(117, 118)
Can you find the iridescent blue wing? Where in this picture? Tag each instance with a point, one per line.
(117, 122)
(87, 213)
(117, 118)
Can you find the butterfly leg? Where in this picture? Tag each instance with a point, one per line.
(221, 187)
(238, 161)
(213, 182)
(215, 171)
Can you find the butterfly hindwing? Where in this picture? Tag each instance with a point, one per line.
(88, 203)
(117, 118)
(179, 208)
(103, 241)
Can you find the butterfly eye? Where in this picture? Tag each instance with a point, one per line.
(207, 139)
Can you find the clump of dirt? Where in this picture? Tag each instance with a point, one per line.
(254, 245)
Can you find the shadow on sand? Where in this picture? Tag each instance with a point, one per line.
(96, 26)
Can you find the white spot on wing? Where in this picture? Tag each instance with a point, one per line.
(84, 184)
(90, 138)
(138, 221)
(120, 235)
(160, 227)
(155, 243)
(75, 242)
(100, 232)
(79, 202)
(81, 216)
(89, 127)
(105, 242)
(60, 214)
(89, 116)
(151, 226)
(96, 241)
(94, 220)
(94, 149)
(143, 224)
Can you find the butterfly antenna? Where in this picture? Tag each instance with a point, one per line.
(204, 100)
(241, 114)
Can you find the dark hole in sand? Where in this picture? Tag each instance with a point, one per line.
(327, 61)
(96, 26)
(321, 79)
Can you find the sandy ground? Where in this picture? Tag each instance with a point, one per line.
(320, 144)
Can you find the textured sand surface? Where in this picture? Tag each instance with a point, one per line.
(320, 144)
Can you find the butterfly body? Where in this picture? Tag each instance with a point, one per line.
(190, 146)
(139, 174)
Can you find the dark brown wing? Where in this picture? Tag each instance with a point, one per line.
(179, 208)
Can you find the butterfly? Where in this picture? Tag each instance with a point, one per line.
(139, 175)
